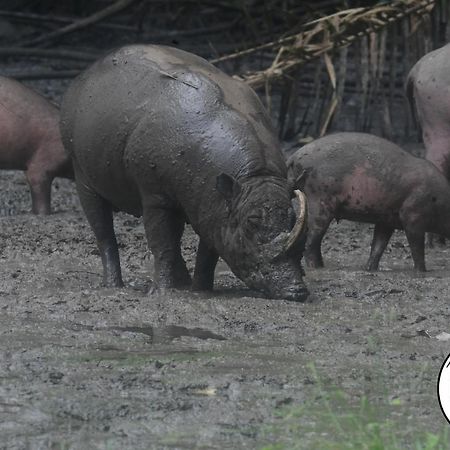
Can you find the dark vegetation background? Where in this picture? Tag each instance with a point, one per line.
(368, 94)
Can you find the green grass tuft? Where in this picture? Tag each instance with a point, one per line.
(334, 420)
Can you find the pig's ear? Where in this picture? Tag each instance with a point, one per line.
(227, 186)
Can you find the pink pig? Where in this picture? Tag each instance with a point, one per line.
(364, 178)
(30, 140)
(428, 90)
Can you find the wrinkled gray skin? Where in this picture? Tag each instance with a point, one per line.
(159, 132)
(428, 90)
(30, 140)
(364, 178)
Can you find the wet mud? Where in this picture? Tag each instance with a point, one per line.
(82, 366)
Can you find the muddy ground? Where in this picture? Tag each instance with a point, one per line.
(83, 367)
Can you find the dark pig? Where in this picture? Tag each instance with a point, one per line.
(428, 90)
(159, 132)
(30, 140)
(364, 178)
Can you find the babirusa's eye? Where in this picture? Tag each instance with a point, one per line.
(253, 221)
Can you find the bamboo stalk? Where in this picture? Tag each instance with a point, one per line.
(292, 107)
(364, 78)
(342, 78)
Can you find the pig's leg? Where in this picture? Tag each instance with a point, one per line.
(99, 214)
(205, 265)
(416, 241)
(381, 236)
(164, 228)
(317, 227)
(437, 150)
(40, 183)
(413, 224)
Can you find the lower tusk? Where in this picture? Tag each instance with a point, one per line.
(300, 223)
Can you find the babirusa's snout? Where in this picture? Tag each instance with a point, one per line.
(297, 293)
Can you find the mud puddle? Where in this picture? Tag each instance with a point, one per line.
(158, 334)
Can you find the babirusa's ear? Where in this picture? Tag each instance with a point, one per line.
(227, 186)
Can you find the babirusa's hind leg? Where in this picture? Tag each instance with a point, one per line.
(100, 216)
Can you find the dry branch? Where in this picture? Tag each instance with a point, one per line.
(196, 32)
(328, 34)
(44, 18)
(39, 52)
(45, 75)
(83, 23)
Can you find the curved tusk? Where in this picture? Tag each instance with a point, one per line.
(300, 223)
